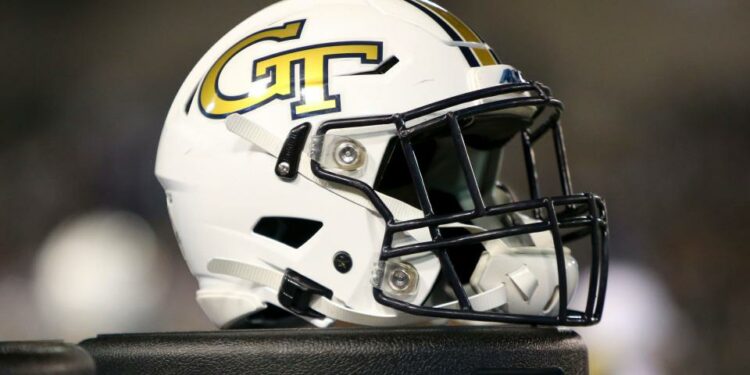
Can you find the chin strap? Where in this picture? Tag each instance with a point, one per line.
(274, 279)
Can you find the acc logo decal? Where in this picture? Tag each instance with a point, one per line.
(511, 76)
(280, 68)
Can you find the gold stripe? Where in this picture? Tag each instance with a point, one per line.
(483, 55)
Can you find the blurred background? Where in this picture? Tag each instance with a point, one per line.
(656, 94)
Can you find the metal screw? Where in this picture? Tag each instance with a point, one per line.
(399, 280)
(349, 155)
(342, 262)
(283, 168)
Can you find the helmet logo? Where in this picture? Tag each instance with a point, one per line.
(274, 77)
(511, 76)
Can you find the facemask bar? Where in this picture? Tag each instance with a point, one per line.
(584, 212)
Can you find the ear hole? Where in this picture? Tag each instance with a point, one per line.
(290, 231)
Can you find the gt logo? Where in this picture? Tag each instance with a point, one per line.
(311, 61)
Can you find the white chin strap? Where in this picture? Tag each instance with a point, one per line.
(273, 279)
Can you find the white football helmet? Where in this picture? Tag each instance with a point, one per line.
(338, 159)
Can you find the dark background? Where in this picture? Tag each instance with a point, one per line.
(656, 122)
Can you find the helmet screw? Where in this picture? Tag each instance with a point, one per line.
(283, 168)
(402, 278)
(349, 155)
(342, 262)
(399, 279)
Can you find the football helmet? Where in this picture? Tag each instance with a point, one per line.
(340, 160)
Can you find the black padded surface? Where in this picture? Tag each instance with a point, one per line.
(428, 350)
(44, 358)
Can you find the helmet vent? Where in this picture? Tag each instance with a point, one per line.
(290, 231)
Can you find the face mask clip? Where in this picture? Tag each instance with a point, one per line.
(287, 164)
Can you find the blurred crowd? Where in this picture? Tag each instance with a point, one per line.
(656, 116)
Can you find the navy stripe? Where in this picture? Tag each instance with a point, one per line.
(451, 33)
(492, 52)
(190, 101)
